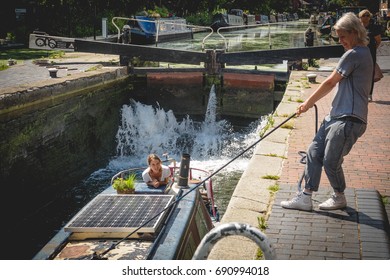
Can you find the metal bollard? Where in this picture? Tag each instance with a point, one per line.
(53, 72)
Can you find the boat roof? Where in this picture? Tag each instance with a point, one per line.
(114, 216)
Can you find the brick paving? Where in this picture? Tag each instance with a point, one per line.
(361, 231)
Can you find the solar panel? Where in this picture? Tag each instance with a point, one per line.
(118, 215)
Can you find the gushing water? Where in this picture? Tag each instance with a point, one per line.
(146, 129)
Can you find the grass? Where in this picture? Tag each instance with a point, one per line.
(93, 68)
(262, 226)
(27, 54)
(288, 125)
(275, 155)
(274, 188)
(385, 200)
(3, 66)
(271, 177)
(270, 123)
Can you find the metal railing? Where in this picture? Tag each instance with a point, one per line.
(245, 27)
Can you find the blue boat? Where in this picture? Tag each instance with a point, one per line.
(149, 30)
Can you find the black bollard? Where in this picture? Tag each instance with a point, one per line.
(184, 169)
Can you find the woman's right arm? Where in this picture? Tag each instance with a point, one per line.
(325, 87)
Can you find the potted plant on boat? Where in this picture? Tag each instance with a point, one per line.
(125, 186)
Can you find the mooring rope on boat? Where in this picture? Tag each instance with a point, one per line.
(100, 256)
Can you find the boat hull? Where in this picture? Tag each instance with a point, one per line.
(147, 30)
(235, 18)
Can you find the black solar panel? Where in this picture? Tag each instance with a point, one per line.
(120, 213)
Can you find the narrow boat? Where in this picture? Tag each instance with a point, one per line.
(163, 223)
(145, 29)
(235, 17)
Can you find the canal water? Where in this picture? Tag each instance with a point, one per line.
(274, 36)
(144, 129)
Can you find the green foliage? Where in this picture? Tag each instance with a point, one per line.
(201, 18)
(72, 18)
(274, 188)
(25, 54)
(121, 184)
(3, 66)
(270, 123)
(385, 200)
(158, 11)
(262, 223)
(10, 36)
(288, 125)
(271, 177)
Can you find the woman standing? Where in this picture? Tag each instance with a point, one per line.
(347, 119)
(374, 35)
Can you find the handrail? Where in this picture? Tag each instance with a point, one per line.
(158, 22)
(247, 26)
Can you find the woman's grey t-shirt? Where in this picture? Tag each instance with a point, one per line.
(351, 97)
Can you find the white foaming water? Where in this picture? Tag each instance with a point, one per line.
(146, 129)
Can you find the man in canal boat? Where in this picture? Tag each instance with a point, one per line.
(156, 174)
(346, 121)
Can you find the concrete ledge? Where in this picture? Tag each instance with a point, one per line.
(251, 198)
(28, 95)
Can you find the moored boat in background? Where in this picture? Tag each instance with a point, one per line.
(146, 29)
(235, 17)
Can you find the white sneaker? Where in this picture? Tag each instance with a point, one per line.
(337, 201)
(300, 202)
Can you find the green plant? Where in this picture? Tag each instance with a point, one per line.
(275, 155)
(288, 126)
(262, 223)
(3, 66)
(122, 185)
(273, 188)
(10, 37)
(270, 123)
(271, 177)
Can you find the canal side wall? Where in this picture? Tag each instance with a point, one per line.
(239, 95)
(54, 134)
(252, 197)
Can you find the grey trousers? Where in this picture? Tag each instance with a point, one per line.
(332, 142)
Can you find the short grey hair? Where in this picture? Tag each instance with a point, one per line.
(349, 22)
